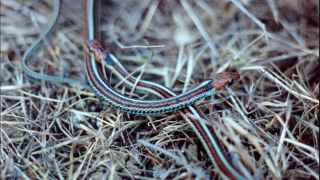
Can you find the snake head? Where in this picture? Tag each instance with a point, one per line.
(97, 49)
(93, 46)
(224, 80)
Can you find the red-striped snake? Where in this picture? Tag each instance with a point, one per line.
(98, 53)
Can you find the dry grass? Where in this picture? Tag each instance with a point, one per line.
(269, 121)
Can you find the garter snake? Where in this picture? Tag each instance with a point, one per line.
(97, 53)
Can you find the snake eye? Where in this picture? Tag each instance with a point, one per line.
(230, 81)
(101, 48)
(89, 48)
